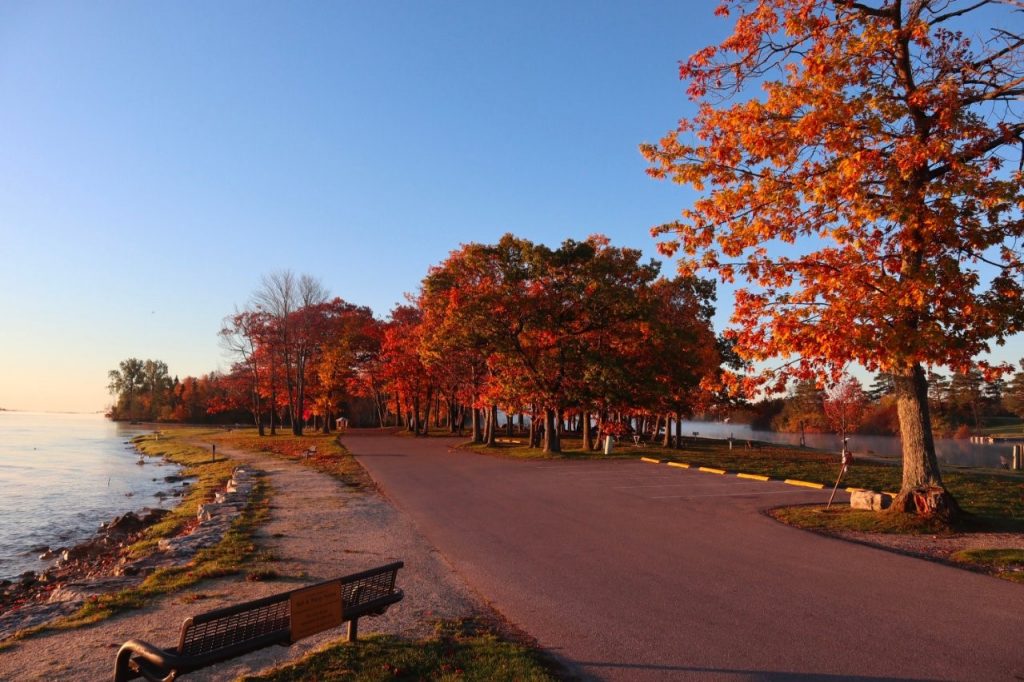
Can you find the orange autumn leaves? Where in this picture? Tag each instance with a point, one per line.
(878, 141)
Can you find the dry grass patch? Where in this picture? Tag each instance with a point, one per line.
(330, 456)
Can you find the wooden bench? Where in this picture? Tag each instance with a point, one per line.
(284, 618)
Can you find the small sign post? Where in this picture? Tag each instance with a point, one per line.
(315, 609)
(847, 460)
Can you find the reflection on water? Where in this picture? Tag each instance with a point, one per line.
(61, 476)
(949, 451)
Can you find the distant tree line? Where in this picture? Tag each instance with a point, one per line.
(584, 338)
(960, 403)
(143, 390)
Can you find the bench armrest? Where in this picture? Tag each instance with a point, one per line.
(158, 660)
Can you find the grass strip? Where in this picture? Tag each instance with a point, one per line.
(210, 476)
(227, 557)
(330, 456)
(457, 651)
(840, 518)
(1007, 564)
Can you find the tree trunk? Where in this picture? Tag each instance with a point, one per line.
(491, 432)
(666, 441)
(551, 442)
(453, 425)
(299, 421)
(588, 442)
(426, 415)
(920, 465)
(477, 436)
(258, 414)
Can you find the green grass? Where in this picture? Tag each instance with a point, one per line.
(458, 651)
(1004, 563)
(841, 518)
(1013, 428)
(992, 557)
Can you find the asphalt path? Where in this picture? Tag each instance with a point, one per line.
(626, 570)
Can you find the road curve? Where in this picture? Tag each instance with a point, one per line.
(634, 571)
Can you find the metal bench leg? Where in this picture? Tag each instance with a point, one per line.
(353, 629)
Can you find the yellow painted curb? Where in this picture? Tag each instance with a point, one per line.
(679, 465)
(652, 461)
(754, 477)
(856, 490)
(804, 484)
(711, 471)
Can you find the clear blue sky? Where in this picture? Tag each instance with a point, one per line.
(157, 158)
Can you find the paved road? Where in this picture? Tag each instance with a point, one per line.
(635, 571)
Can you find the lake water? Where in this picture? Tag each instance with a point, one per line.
(949, 451)
(61, 476)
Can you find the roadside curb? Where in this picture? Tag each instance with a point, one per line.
(746, 476)
(804, 484)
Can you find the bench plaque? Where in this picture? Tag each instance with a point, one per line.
(315, 609)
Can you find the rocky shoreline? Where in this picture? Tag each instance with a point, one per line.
(101, 564)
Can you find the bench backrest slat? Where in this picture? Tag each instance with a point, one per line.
(207, 635)
(368, 588)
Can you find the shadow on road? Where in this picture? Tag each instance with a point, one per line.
(750, 674)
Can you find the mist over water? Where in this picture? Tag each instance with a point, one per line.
(61, 476)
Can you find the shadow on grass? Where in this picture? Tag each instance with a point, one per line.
(459, 650)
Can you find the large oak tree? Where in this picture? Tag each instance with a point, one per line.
(867, 194)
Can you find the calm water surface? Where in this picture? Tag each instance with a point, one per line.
(61, 476)
(948, 450)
